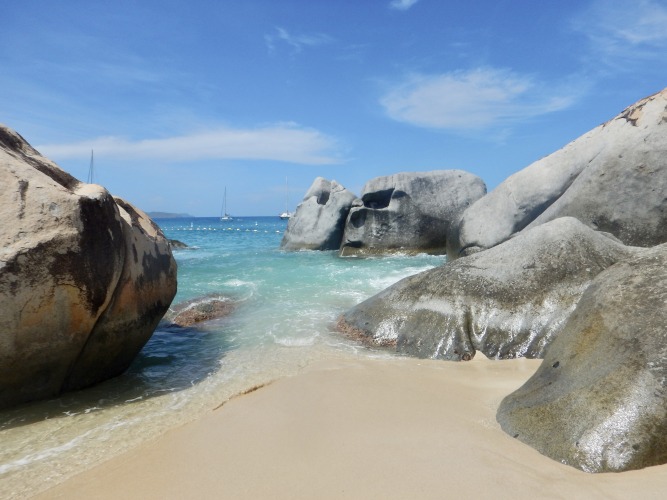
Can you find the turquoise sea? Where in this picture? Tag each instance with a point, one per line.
(285, 306)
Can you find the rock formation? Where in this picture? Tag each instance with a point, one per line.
(613, 179)
(201, 309)
(509, 301)
(84, 278)
(412, 212)
(553, 267)
(175, 244)
(319, 219)
(598, 402)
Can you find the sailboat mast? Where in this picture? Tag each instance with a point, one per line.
(286, 214)
(286, 196)
(223, 213)
(91, 168)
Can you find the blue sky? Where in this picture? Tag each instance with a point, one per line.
(180, 99)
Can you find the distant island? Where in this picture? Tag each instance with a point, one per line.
(166, 215)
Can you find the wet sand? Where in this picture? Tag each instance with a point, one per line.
(362, 429)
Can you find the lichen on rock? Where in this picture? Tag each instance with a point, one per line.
(84, 278)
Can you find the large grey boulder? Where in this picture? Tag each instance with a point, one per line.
(598, 402)
(410, 212)
(319, 219)
(508, 301)
(613, 179)
(84, 278)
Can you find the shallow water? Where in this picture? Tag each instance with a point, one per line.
(286, 304)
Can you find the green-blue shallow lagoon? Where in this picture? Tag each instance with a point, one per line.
(285, 306)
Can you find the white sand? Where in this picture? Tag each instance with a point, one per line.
(404, 429)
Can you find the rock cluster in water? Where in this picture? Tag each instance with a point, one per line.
(409, 212)
(84, 278)
(564, 260)
(320, 218)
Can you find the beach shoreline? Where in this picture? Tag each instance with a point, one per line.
(356, 428)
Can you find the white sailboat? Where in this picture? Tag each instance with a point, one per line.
(223, 213)
(286, 214)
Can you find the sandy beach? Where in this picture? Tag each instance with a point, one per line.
(367, 428)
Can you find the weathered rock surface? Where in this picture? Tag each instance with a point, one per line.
(508, 301)
(176, 244)
(319, 219)
(613, 179)
(84, 278)
(598, 402)
(201, 309)
(411, 212)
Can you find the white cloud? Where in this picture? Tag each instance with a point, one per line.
(296, 42)
(402, 4)
(476, 99)
(281, 142)
(621, 30)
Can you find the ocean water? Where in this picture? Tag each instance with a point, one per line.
(285, 306)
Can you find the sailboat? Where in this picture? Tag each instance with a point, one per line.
(286, 214)
(223, 213)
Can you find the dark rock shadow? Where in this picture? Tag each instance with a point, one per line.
(175, 358)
